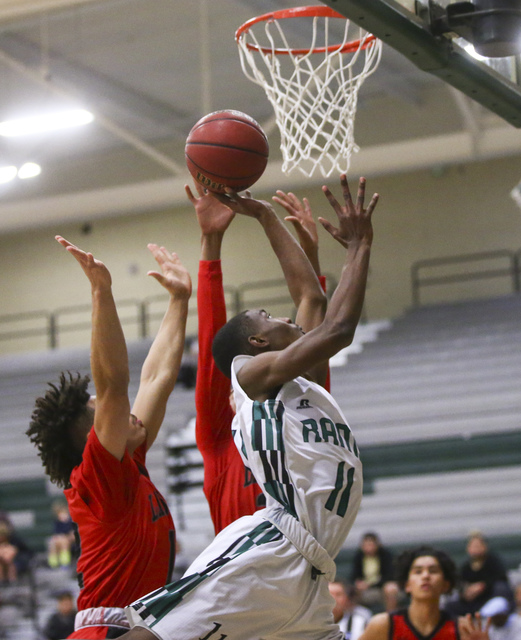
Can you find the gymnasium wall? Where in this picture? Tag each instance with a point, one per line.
(424, 214)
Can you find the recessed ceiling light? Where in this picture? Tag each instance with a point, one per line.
(47, 122)
(29, 170)
(7, 174)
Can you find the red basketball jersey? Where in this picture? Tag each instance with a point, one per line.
(125, 530)
(229, 487)
(402, 629)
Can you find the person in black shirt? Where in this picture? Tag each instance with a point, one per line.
(482, 577)
(61, 623)
(373, 574)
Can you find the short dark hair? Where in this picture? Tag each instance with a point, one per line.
(406, 558)
(53, 423)
(232, 340)
(349, 589)
(371, 535)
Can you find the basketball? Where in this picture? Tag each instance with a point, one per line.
(226, 149)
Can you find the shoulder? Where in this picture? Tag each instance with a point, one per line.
(385, 553)
(494, 559)
(237, 371)
(239, 362)
(378, 627)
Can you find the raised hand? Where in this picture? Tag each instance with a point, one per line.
(245, 205)
(301, 217)
(354, 221)
(97, 273)
(214, 216)
(173, 276)
(473, 628)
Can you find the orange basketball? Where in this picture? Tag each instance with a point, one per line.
(226, 149)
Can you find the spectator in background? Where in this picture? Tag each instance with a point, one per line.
(350, 616)
(15, 554)
(516, 616)
(503, 623)
(61, 623)
(425, 574)
(373, 574)
(482, 577)
(62, 540)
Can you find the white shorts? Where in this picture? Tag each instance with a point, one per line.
(250, 583)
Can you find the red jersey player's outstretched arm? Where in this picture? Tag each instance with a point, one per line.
(109, 359)
(161, 367)
(212, 389)
(230, 491)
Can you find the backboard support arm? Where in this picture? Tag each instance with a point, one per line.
(407, 33)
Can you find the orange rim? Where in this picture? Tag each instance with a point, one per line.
(320, 11)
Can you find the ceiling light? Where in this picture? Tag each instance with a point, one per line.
(7, 174)
(48, 122)
(29, 170)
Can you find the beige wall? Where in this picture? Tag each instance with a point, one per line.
(426, 214)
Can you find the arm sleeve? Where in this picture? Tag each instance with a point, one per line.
(212, 389)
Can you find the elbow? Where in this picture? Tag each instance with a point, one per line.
(342, 333)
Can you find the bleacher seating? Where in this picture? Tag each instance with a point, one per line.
(435, 405)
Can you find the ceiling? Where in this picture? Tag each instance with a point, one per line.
(149, 69)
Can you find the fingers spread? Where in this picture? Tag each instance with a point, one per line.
(361, 194)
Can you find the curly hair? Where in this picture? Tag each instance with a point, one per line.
(405, 560)
(53, 424)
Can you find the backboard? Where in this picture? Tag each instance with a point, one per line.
(405, 25)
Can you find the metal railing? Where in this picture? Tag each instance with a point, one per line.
(52, 326)
(490, 265)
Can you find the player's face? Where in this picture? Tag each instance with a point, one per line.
(137, 433)
(476, 548)
(369, 546)
(342, 603)
(280, 332)
(426, 580)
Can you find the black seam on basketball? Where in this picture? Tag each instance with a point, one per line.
(226, 146)
(217, 175)
(249, 124)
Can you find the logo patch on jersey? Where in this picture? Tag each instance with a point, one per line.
(304, 404)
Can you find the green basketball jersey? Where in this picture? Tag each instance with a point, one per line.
(303, 455)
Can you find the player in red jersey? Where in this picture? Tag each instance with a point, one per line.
(125, 531)
(229, 487)
(425, 574)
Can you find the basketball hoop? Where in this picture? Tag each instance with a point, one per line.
(313, 89)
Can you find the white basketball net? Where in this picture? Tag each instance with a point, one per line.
(314, 95)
